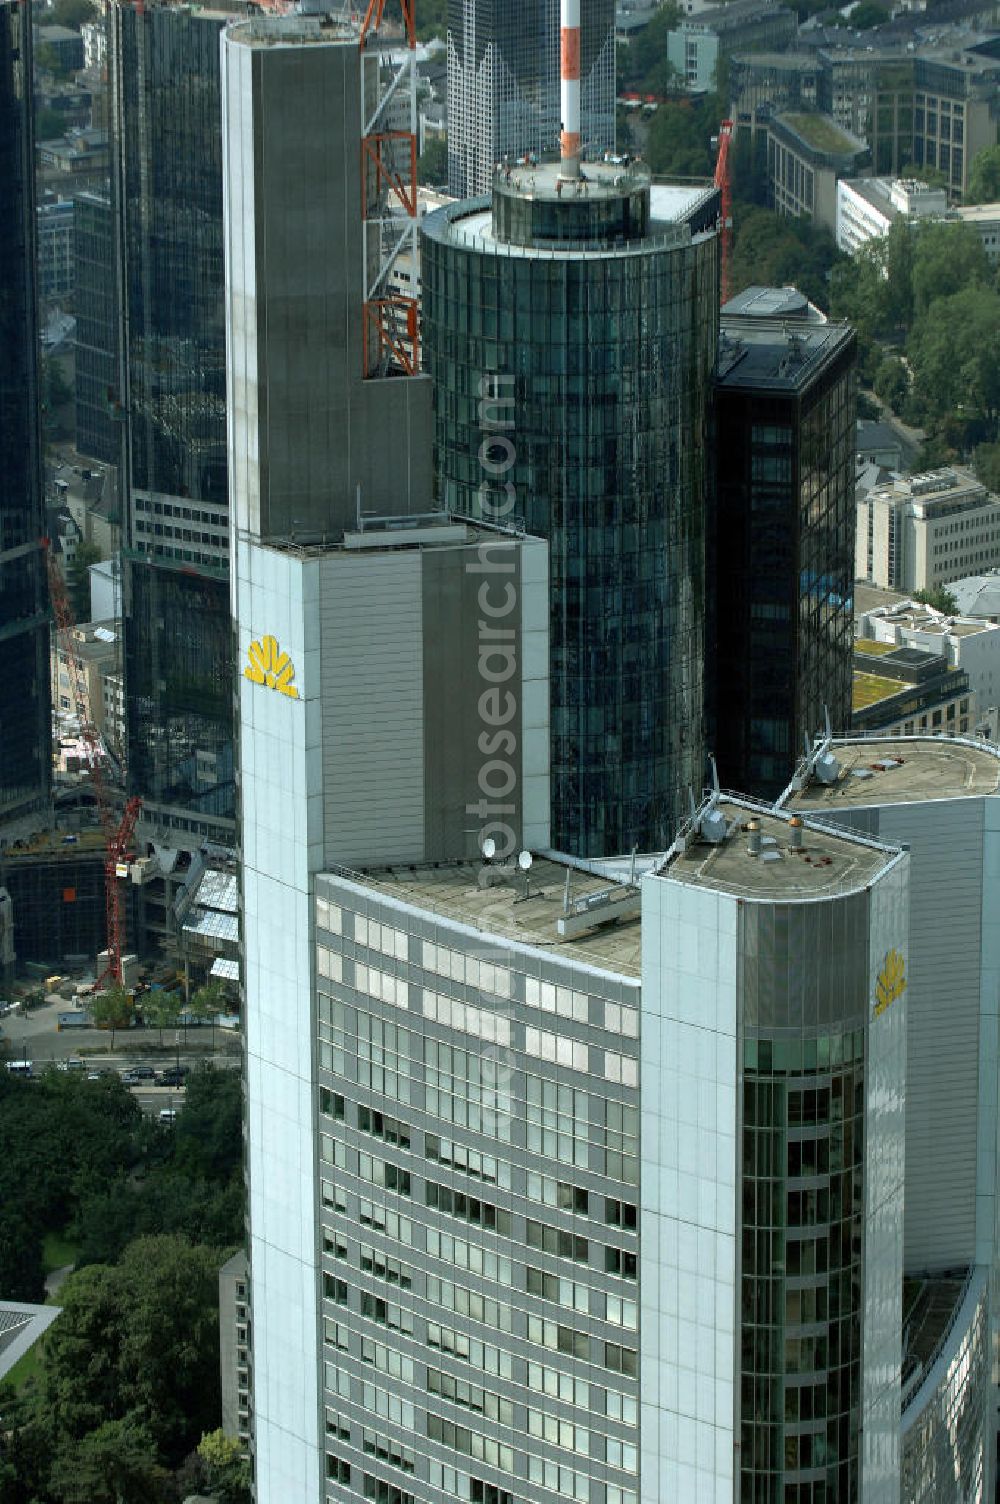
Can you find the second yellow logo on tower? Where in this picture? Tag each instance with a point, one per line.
(270, 666)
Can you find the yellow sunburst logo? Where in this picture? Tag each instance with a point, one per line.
(891, 981)
(269, 665)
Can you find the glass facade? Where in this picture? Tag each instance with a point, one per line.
(98, 408)
(503, 83)
(802, 1235)
(947, 1419)
(479, 1214)
(804, 985)
(784, 566)
(167, 185)
(571, 393)
(25, 734)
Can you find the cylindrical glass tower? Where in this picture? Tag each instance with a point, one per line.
(571, 334)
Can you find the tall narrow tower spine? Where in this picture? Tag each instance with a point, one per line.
(569, 88)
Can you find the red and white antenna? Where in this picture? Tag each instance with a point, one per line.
(569, 88)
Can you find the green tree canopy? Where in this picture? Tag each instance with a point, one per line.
(111, 1009)
(938, 597)
(984, 177)
(73, 13)
(774, 251)
(112, 1464)
(986, 462)
(432, 164)
(891, 382)
(138, 1343)
(645, 67)
(954, 351)
(78, 578)
(946, 259)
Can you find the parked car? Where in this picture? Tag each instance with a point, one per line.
(168, 1116)
(173, 1075)
(138, 1074)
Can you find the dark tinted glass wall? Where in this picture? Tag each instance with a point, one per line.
(167, 187)
(98, 407)
(25, 736)
(785, 567)
(608, 359)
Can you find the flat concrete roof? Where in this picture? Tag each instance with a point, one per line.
(827, 865)
(501, 912)
(916, 768)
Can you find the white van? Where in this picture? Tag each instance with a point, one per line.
(168, 1116)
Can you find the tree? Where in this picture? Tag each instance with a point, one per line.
(139, 1343)
(73, 13)
(868, 13)
(111, 1010)
(78, 578)
(986, 462)
(772, 250)
(49, 125)
(984, 177)
(954, 352)
(160, 1010)
(227, 1471)
(941, 599)
(891, 382)
(110, 1465)
(432, 165)
(947, 258)
(646, 68)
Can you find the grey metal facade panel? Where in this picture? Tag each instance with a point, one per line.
(945, 838)
(454, 730)
(373, 718)
(805, 966)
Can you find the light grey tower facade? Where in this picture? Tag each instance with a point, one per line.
(503, 84)
(393, 694)
(570, 328)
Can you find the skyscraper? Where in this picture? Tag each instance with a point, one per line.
(98, 405)
(167, 194)
(25, 731)
(503, 84)
(784, 534)
(570, 328)
(365, 631)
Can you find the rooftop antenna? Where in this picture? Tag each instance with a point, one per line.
(569, 873)
(569, 88)
(821, 764)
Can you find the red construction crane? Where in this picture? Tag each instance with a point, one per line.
(117, 833)
(725, 188)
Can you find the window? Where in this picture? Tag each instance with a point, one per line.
(554, 1240)
(621, 1359)
(382, 1126)
(467, 1208)
(339, 1472)
(620, 1214)
(335, 1289)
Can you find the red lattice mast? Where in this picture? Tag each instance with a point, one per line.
(722, 182)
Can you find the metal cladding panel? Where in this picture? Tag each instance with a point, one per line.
(373, 715)
(943, 1038)
(885, 1097)
(805, 965)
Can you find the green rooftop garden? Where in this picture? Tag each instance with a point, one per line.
(819, 131)
(870, 688)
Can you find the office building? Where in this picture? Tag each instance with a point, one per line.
(963, 642)
(98, 404)
(570, 327)
(503, 84)
(784, 464)
(902, 691)
(56, 264)
(806, 156)
(703, 42)
(345, 591)
(520, 1295)
(939, 798)
(25, 736)
(866, 207)
(167, 196)
(918, 531)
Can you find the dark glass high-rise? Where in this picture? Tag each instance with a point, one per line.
(25, 715)
(167, 193)
(784, 419)
(583, 319)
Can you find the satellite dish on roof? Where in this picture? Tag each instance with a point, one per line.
(489, 848)
(524, 861)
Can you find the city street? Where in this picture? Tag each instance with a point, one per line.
(37, 1039)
